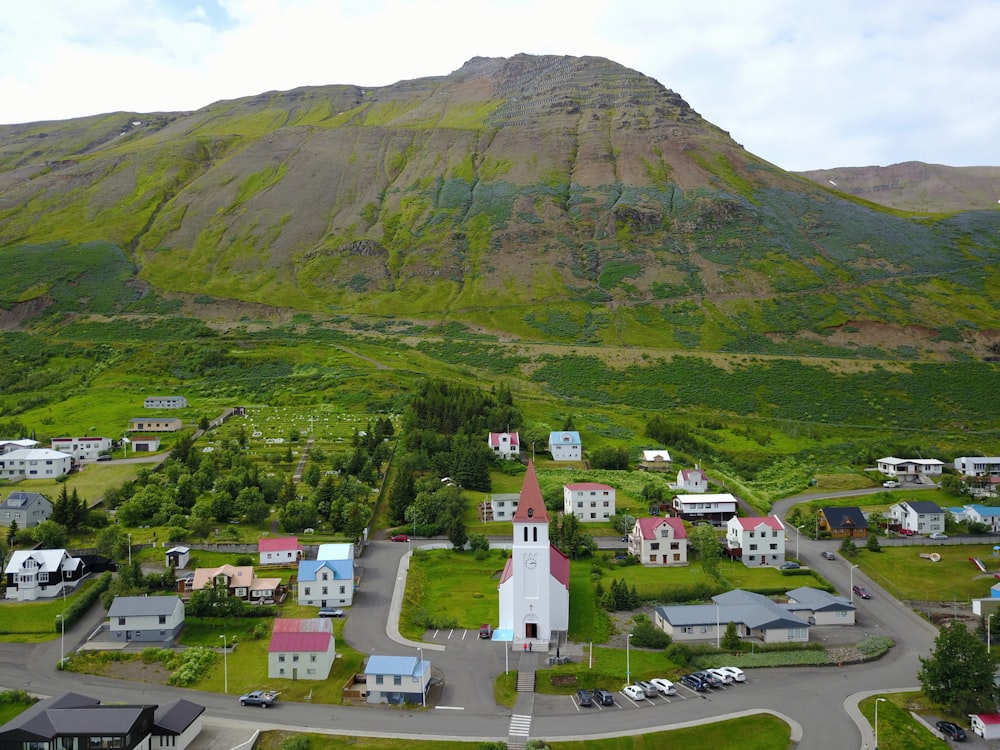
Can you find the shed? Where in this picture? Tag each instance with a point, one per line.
(986, 726)
(178, 557)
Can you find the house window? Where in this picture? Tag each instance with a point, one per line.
(325, 576)
(121, 621)
(162, 620)
(281, 658)
(753, 546)
(281, 671)
(325, 590)
(774, 546)
(379, 679)
(306, 591)
(343, 590)
(687, 630)
(312, 658)
(295, 657)
(675, 545)
(593, 515)
(654, 545)
(397, 679)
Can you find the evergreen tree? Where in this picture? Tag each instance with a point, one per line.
(11, 533)
(456, 534)
(958, 675)
(401, 495)
(731, 638)
(60, 508)
(872, 544)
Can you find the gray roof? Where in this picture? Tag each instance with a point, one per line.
(35, 721)
(753, 610)
(816, 600)
(124, 606)
(22, 499)
(174, 718)
(71, 713)
(924, 506)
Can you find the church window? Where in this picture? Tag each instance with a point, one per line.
(525, 533)
(534, 534)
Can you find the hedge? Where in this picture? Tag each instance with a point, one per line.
(83, 603)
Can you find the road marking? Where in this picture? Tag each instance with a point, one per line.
(450, 708)
(520, 725)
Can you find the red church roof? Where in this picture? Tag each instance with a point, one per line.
(559, 566)
(531, 507)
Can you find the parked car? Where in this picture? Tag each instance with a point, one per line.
(938, 536)
(666, 687)
(906, 532)
(634, 692)
(648, 688)
(695, 682)
(790, 566)
(738, 674)
(951, 730)
(890, 484)
(604, 697)
(584, 698)
(727, 679)
(262, 698)
(330, 612)
(711, 679)
(104, 457)
(861, 591)
(827, 555)
(401, 538)
(485, 630)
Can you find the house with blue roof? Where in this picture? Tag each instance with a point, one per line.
(565, 446)
(985, 514)
(397, 679)
(326, 583)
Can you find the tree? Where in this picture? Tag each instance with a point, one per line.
(872, 544)
(958, 675)
(401, 495)
(49, 534)
(11, 533)
(731, 638)
(847, 547)
(112, 542)
(457, 535)
(705, 540)
(614, 459)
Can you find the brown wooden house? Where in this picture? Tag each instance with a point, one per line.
(845, 522)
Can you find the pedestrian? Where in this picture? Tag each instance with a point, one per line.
(524, 646)
(529, 647)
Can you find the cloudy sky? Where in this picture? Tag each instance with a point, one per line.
(801, 83)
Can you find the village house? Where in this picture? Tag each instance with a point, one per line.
(240, 581)
(499, 507)
(397, 679)
(655, 460)
(326, 583)
(34, 463)
(42, 574)
(978, 466)
(716, 509)
(589, 501)
(146, 619)
(918, 517)
(565, 446)
(301, 649)
(82, 448)
(659, 541)
(165, 402)
(987, 515)
(506, 445)
(756, 540)
(9, 446)
(818, 607)
(279, 550)
(754, 615)
(144, 443)
(26, 509)
(920, 470)
(847, 522)
(692, 480)
(155, 424)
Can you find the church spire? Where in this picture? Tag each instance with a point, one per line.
(531, 507)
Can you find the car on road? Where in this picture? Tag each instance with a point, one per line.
(485, 630)
(634, 692)
(401, 538)
(890, 484)
(604, 697)
(827, 555)
(262, 698)
(951, 730)
(861, 591)
(727, 679)
(695, 682)
(938, 536)
(664, 686)
(790, 566)
(105, 457)
(584, 698)
(330, 612)
(738, 674)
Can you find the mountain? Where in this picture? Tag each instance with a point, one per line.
(915, 186)
(537, 198)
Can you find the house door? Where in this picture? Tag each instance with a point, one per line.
(531, 630)
(295, 673)
(322, 602)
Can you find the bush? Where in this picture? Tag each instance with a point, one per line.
(83, 603)
(195, 663)
(679, 653)
(244, 560)
(647, 635)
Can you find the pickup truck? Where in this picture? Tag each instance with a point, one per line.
(262, 698)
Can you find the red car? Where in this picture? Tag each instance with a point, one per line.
(401, 538)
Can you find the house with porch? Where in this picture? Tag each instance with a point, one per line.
(978, 466)
(846, 522)
(756, 540)
(283, 550)
(397, 679)
(715, 508)
(589, 501)
(240, 581)
(505, 445)
(918, 516)
(921, 470)
(26, 509)
(82, 448)
(146, 619)
(42, 574)
(301, 649)
(499, 507)
(657, 542)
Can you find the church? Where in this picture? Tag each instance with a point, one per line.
(534, 586)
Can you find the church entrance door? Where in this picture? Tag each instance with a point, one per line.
(531, 630)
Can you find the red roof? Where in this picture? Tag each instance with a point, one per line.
(694, 474)
(312, 642)
(531, 507)
(749, 524)
(559, 566)
(508, 570)
(296, 625)
(278, 544)
(138, 438)
(988, 718)
(580, 486)
(512, 438)
(648, 527)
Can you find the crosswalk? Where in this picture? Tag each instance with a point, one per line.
(520, 725)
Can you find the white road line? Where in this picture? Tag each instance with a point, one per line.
(520, 725)
(450, 708)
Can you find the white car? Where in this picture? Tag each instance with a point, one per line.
(938, 536)
(634, 692)
(723, 675)
(735, 672)
(666, 687)
(890, 483)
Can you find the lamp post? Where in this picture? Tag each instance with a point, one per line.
(62, 641)
(877, 701)
(225, 663)
(798, 535)
(852, 583)
(628, 662)
(129, 549)
(988, 618)
(423, 692)
(717, 625)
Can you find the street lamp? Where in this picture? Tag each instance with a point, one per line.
(852, 583)
(129, 549)
(62, 641)
(988, 618)
(225, 663)
(877, 701)
(798, 535)
(628, 662)
(423, 691)
(717, 625)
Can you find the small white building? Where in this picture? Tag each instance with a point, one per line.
(659, 541)
(565, 446)
(910, 469)
(397, 679)
(301, 649)
(692, 480)
(9, 446)
(165, 402)
(283, 550)
(655, 460)
(34, 463)
(506, 445)
(178, 557)
(154, 424)
(335, 551)
(144, 443)
(42, 574)
(918, 516)
(82, 448)
(146, 619)
(986, 726)
(589, 501)
(758, 540)
(978, 466)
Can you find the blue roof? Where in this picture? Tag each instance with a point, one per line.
(570, 437)
(401, 665)
(985, 510)
(343, 570)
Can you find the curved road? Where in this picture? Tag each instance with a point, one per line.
(818, 699)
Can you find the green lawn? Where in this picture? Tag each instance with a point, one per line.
(897, 729)
(758, 732)
(906, 575)
(35, 618)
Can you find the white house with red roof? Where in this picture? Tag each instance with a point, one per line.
(82, 448)
(589, 501)
(534, 585)
(659, 541)
(692, 480)
(282, 550)
(758, 541)
(301, 649)
(505, 444)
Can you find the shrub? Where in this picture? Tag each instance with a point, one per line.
(195, 662)
(244, 560)
(83, 603)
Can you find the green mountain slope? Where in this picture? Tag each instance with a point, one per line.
(545, 198)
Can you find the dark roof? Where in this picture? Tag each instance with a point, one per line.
(143, 605)
(925, 506)
(20, 499)
(174, 718)
(35, 721)
(848, 516)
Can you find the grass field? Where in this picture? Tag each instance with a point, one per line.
(897, 729)
(908, 576)
(18, 619)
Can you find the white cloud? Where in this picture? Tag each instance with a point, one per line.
(802, 85)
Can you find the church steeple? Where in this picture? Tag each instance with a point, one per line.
(531, 506)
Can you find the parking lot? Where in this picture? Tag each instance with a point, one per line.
(684, 693)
